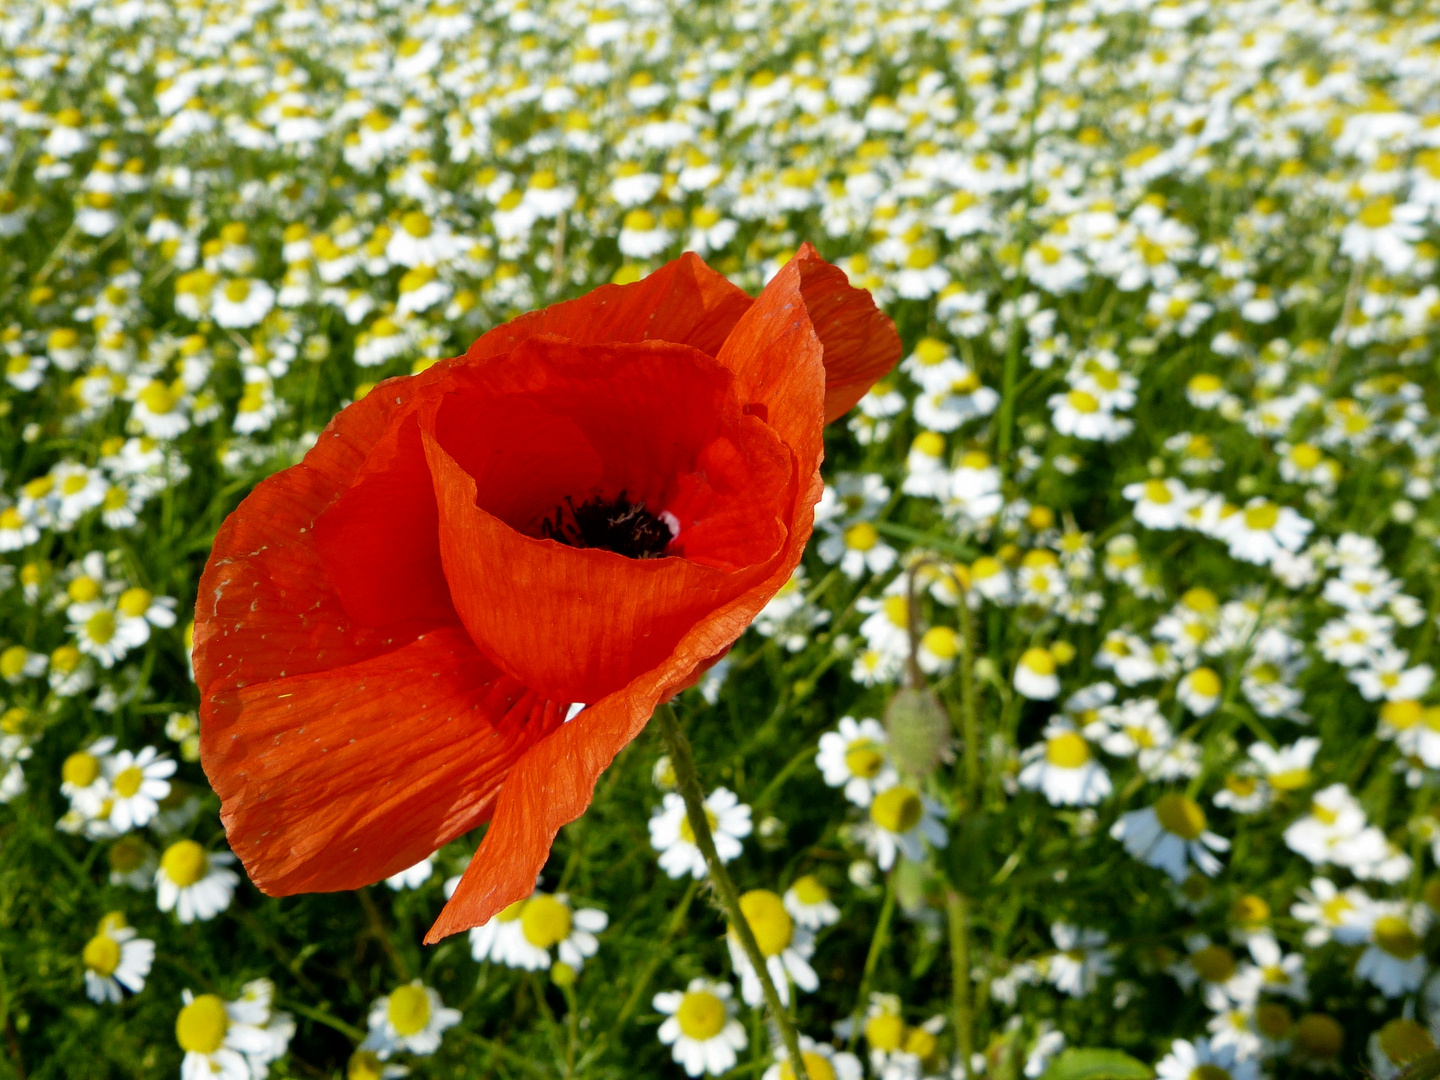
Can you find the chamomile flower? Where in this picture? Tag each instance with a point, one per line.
(114, 958)
(138, 784)
(808, 902)
(547, 921)
(1394, 959)
(785, 945)
(1035, 676)
(232, 1040)
(411, 1018)
(700, 1027)
(855, 757)
(671, 835)
(901, 822)
(83, 777)
(193, 882)
(1189, 1060)
(1171, 835)
(1262, 530)
(1083, 959)
(241, 302)
(1063, 767)
(1160, 504)
(822, 1062)
(1199, 690)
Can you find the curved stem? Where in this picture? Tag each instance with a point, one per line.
(687, 780)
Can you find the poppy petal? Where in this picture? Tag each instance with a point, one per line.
(860, 341)
(554, 782)
(684, 302)
(338, 779)
(579, 623)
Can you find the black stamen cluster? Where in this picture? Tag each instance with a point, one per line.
(616, 525)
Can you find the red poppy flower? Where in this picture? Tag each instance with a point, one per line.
(589, 506)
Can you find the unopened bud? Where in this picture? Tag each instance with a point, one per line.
(919, 730)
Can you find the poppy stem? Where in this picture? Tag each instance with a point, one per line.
(687, 781)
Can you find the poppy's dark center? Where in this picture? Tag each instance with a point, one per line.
(616, 525)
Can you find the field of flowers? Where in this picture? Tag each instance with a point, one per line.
(1096, 735)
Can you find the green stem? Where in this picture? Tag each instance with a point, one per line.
(872, 958)
(969, 710)
(677, 920)
(687, 780)
(957, 910)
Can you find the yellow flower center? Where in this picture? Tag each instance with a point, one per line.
(100, 627)
(920, 1043)
(184, 863)
(931, 352)
(817, 1067)
(897, 809)
(511, 913)
(80, 769)
(416, 224)
(701, 1015)
(941, 642)
(11, 519)
(1157, 492)
(1289, 779)
(158, 398)
(808, 890)
(1209, 1072)
(688, 834)
(408, 1010)
(769, 921)
(127, 782)
(1320, 1036)
(73, 485)
(1038, 661)
(102, 954)
(1214, 963)
(1378, 213)
(12, 661)
(1262, 518)
(1393, 934)
(237, 291)
(201, 1026)
(864, 758)
(1180, 816)
(1400, 715)
(545, 921)
(1305, 456)
(1082, 401)
(1204, 682)
(65, 659)
(862, 536)
(885, 1032)
(1402, 1041)
(134, 602)
(1067, 750)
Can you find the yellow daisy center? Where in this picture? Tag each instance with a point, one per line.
(885, 1032)
(408, 1010)
(201, 1026)
(1393, 934)
(102, 955)
(817, 1067)
(80, 769)
(184, 863)
(1067, 750)
(1180, 816)
(769, 921)
(864, 758)
(809, 891)
(545, 921)
(127, 781)
(701, 1015)
(897, 809)
(100, 627)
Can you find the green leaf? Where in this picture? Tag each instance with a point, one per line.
(1088, 1064)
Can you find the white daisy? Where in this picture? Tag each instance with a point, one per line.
(194, 883)
(232, 1040)
(241, 302)
(855, 757)
(1064, 769)
(1394, 959)
(822, 1062)
(808, 902)
(1160, 504)
(671, 835)
(787, 948)
(116, 958)
(410, 1018)
(1188, 1060)
(901, 821)
(1171, 835)
(1199, 691)
(138, 783)
(1082, 961)
(700, 1027)
(1035, 676)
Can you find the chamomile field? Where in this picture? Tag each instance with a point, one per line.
(1096, 734)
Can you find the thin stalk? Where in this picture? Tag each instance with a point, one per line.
(957, 910)
(969, 709)
(872, 958)
(687, 781)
